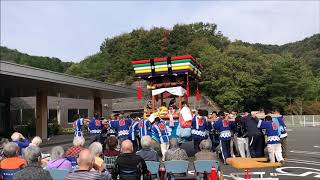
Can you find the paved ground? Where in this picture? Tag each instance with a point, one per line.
(304, 156)
(303, 162)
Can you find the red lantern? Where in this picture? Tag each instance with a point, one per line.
(198, 95)
(139, 92)
(188, 86)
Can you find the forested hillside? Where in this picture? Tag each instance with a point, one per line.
(308, 50)
(237, 75)
(53, 64)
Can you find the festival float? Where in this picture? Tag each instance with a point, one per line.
(169, 78)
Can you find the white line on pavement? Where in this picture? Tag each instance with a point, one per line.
(306, 152)
(316, 146)
(302, 162)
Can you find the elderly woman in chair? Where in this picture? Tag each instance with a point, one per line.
(205, 151)
(175, 152)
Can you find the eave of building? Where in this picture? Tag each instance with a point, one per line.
(22, 80)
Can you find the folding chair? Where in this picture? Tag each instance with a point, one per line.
(8, 174)
(202, 166)
(176, 167)
(73, 161)
(58, 173)
(153, 167)
(110, 161)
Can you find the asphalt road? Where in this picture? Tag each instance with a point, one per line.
(304, 156)
(303, 162)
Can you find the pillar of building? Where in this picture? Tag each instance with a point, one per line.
(5, 123)
(180, 102)
(106, 107)
(59, 109)
(97, 105)
(42, 113)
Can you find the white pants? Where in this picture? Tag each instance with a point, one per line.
(243, 145)
(275, 151)
(234, 144)
(164, 147)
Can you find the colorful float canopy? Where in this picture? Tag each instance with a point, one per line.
(184, 64)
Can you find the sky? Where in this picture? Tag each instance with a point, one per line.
(74, 30)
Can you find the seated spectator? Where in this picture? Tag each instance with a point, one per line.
(78, 143)
(205, 153)
(33, 170)
(12, 161)
(57, 159)
(86, 163)
(112, 143)
(129, 165)
(20, 140)
(147, 153)
(96, 149)
(3, 142)
(36, 141)
(175, 152)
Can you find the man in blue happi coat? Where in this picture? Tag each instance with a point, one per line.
(122, 126)
(160, 135)
(274, 145)
(199, 130)
(223, 125)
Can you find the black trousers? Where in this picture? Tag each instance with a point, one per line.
(135, 145)
(225, 149)
(256, 146)
(196, 143)
(214, 141)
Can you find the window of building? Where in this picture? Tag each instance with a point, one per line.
(52, 115)
(28, 116)
(83, 112)
(72, 115)
(15, 117)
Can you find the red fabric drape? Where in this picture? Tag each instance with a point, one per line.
(198, 95)
(188, 86)
(185, 98)
(139, 92)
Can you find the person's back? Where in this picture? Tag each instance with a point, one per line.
(129, 161)
(12, 161)
(86, 163)
(33, 171)
(176, 154)
(255, 137)
(250, 124)
(85, 175)
(148, 154)
(240, 128)
(129, 165)
(205, 155)
(112, 143)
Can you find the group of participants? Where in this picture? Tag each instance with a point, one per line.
(232, 134)
(131, 141)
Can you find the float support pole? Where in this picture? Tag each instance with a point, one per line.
(153, 104)
(180, 102)
(161, 96)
